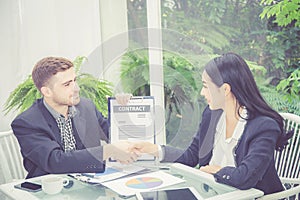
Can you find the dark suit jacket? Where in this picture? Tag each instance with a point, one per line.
(254, 153)
(40, 141)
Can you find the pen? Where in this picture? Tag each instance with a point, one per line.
(88, 175)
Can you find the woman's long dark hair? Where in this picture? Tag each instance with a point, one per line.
(232, 69)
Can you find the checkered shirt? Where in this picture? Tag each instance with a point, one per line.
(66, 132)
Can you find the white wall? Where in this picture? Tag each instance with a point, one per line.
(114, 35)
(33, 29)
(9, 52)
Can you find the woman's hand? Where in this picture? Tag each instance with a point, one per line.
(123, 98)
(211, 169)
(120, 151)
(145, 147)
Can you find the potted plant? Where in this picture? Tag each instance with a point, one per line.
(26, 93)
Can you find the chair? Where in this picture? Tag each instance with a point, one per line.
(287, 162)
(11, 166)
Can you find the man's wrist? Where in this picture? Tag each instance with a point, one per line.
(107, 151)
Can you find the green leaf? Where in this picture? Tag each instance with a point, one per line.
(26, 93)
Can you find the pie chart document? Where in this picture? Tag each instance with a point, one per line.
(142, 183)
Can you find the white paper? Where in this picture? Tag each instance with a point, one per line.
(112, 172)
(142, 183)
(133, 121)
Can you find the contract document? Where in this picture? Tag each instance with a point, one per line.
(133, 121)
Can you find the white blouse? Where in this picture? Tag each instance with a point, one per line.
(223, 148)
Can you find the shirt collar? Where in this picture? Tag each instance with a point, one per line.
(239, 129)
(71, 111)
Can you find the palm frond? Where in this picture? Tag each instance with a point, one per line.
(26, 93)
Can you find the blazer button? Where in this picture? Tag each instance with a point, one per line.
(228, 177)
(224, 176)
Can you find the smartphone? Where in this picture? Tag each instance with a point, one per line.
(28, 186)
(171, 194)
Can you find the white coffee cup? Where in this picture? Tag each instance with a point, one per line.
(54, 184)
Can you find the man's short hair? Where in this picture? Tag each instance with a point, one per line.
(48, 67)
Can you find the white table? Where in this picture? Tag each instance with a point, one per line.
(204, 183)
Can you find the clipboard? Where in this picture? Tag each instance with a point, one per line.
(133, 122)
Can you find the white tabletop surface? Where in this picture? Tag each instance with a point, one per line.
(204, 183)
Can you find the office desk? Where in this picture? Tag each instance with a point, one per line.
(202, 182)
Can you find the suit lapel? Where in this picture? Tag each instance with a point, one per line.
(50, 120)
(206, 141)
(79, 124)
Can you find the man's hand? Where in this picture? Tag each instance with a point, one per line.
(145, 147)
(123, 98)
(211, 169)
(120, 151)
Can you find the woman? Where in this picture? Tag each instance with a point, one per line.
(238, 133)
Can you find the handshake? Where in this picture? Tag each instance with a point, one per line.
(127, 152)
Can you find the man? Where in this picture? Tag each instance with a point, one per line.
(61, 133)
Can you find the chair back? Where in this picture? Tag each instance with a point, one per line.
(11, 165)
(287, 162)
